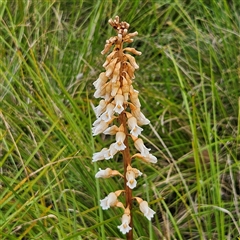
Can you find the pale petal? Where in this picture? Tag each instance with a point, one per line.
(108, 114)
(147, 211)
(148, 158)
(141, 147)
(99, 155)
(132, 183)
(101, 127)
(141, 119)
(103, 173)
(134, 98)
(135, 130)
(111, 130)
(100, 108)
(119, 99)
(109, 201)
(124, 227)
(102, 79)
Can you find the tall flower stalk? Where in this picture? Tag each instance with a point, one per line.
(119, 114)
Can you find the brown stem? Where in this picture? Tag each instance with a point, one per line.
(127, 161)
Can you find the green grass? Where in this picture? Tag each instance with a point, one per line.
(189, 88)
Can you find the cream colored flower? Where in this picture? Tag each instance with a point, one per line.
(101, 91)
(102, 79)
(119, 100)
(147, 211)
(109, 201)
(135, 130)
(100, 155)
(100, 127)
(111, 151)
(109, 58)
(108, 114)
(100, 108)
(124, 227)
(131, 174)
(115, 88)
(110, 67)
(149, 158)
(107, 173)
(132, 60)
(139, 145)
(132, 50)
(120, 137)
(141, 119)
(134, 98)
(111, 130)
(115, 75)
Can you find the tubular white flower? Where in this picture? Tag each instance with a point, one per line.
(141, 119)
(111, 130)
(120, 137)
(119, 99)
(109, 201)
(124, 227)
(139, 145)
(149, 158)
(135, 130)
(107, 173)
(147, 211)
(111, 151)
(101, 91)
(100, 155)
(100, 108)
(108, 114)
(99, 128)
(102, 79)
(134, 98)
(131, 174)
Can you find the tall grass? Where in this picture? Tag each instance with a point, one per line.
(189, 86)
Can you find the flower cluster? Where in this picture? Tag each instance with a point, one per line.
(118, 114)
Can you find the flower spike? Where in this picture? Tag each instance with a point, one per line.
(119, 114)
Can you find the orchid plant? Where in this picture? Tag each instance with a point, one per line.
(119, 114)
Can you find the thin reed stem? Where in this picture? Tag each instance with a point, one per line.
(127, 162)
